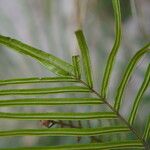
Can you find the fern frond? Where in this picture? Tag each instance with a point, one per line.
(72, 73)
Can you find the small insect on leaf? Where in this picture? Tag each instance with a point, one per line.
(47, 123)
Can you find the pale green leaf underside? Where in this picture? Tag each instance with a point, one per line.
(112, 56)
(39, 91)
(58, 116)
(92, 146)
(139, 96)
(50, 101)
(51, 62)
(85, 56)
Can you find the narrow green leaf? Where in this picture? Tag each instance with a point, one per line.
(57, 116)
(85, 56)
(76, 65)
(44, 90)
(51, 62)
(146, 134)
(134, 144)
(36, 80)
(50, 101)
(64, 131)
(112, 55)
(139, 96)
(127, 74)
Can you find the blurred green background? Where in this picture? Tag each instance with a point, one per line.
(49, 25)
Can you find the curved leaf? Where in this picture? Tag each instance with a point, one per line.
(57, 116)
(139, 96)
(127, 74)
(112, 56)
(51, 62)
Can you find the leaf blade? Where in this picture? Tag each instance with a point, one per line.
(76, 64)
(146, 134)
(85, 56)
(57, 116)
(38, 91)
(92, 146)
(139, 96)
(50, 101)
(64, 131)
(113, 53)
(127, 73)
(51, 62)
(36, 80)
